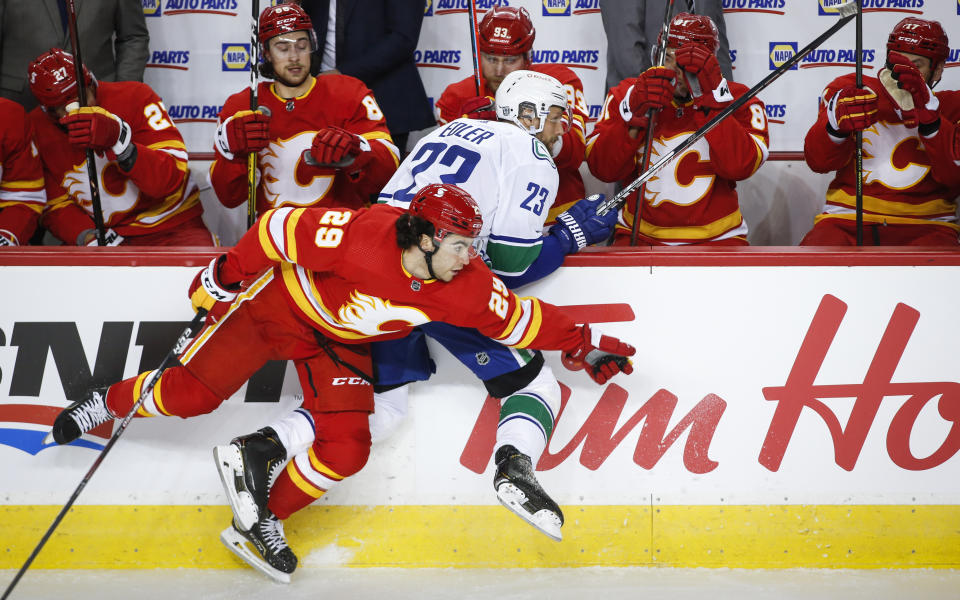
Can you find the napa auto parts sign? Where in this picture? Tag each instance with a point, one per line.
(753, 384)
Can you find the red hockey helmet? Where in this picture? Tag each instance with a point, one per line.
(449, 209)
(919, 36)
(506, 31)
(686, 27)
(284, 18)
(53, 78)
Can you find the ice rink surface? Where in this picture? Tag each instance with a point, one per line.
(469, 584)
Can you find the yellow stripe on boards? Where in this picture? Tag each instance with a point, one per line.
(770, 537)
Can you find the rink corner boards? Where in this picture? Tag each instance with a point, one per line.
(443, 536)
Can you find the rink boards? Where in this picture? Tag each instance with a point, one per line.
(788, 409)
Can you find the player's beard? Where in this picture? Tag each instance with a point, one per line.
(287, 81)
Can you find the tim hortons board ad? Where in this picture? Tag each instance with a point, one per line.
(752, 385)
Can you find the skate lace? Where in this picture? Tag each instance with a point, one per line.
(271, 530)
(91, 413)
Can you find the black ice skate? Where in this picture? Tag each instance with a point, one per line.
(263, 547)
(81, 416)
(518, 489)
(247, 466)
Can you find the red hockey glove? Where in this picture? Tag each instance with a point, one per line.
(851, 109)
(333, 144)
(926, 106)
(697, 60)
(243, 132)
(97, 129)
(652, 90)
(207, 289)
(479, 107)
(602, 356)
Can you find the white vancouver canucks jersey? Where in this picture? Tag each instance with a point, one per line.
(508, 172)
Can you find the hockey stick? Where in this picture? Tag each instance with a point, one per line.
(475, 47)
(82, 100)
(859, 134)
(252, 157)
(661, 54)
(171, 356)
(847, 13)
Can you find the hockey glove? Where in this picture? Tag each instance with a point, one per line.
(333, 144)
(601, 355)
(698, 61)
(99, 130)
(653, 90)
(479, 107)
(580, 225)
(88, 237)
(925, 112)
(851, 109)
(207, 289)
(243, 132)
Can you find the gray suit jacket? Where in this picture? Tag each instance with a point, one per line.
(633, 26)
(113, 40)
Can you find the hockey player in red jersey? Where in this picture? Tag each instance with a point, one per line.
(146, 192)
(333, 117)
(321, 282)
(693, 200)
(21, 177)
(505, 37)
(911, 147)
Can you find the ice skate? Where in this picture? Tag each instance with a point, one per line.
(81, 416)
(247, 466)
(517, 489)
(263, 547)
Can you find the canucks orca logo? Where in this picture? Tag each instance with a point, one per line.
(152, 8)
(236, 57)
(556, 8)
(780, 53)
(428, 8)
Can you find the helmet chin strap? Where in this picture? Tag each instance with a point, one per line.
(428, 257)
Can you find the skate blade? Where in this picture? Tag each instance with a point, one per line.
(545, 521)
(239, 545)
(230, 465)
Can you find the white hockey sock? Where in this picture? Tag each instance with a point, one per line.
(390, 409)
(295, 430)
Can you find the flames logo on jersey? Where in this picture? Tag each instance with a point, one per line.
(117, 193)
(372, 316)
(886, 147)
(279, 164)
(672, 185)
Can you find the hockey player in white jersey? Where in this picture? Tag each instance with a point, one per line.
(506, 167)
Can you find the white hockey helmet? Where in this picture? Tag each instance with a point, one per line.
(530, 94)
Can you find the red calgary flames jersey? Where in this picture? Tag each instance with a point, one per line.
(285, 180)
(570, 188)
(907, 178)
(343, 274)
(21, 175)
(693, 199)
(157, 194)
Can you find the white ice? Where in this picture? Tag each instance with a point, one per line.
(468, 584)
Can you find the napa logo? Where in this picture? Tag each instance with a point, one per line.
(170, 59)
(556, 8)
(754, 6)
(194, 113)
(210, 7)
(776, 113)
(586, 7)
(428, 8)
(842, 57)
(152, 8)
(438, 59)
(780, 53)
(575, 59)
(236, 57)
